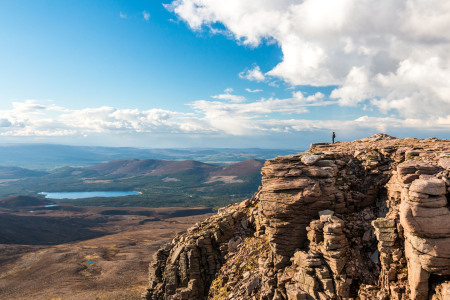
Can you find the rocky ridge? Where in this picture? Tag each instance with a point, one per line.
(367, 219)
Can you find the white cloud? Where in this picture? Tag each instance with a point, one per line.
(233, 117)
(318, 99)
(254, 117)
(254, 74)
(207, 118)
(109, 119)
(253, 91)
(146, 15)
(122, 15)
(232, 98)
(29, 118)
(356, 88)
(229, 97)
(29, 106)
(394, 53)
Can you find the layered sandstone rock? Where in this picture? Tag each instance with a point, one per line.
(425, 218)
(320, 271)
(185, 268)
(296, 188)
(367, 219)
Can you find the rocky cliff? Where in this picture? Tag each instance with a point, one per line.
(367, 219)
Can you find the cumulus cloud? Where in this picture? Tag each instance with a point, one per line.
(232, 98)
(233, 117)
(30, 118)
(228, 96)
(393, 55)
(29, 106)
(208, 117)
(253, 74)
(255, 117)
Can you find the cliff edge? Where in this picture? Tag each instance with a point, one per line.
(367, 219)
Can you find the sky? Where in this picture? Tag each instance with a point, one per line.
(222, 73)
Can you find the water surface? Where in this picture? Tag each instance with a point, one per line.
(81, 195)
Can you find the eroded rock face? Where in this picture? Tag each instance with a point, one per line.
(425, 218)
(185, 268)
(367, 219)
(294, 192)
(319, 273)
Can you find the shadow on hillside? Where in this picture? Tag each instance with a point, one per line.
(39, 230)
(187, 212)
(176, 213)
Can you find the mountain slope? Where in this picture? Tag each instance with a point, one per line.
(155, 167)
(244, 168)
(17, 173)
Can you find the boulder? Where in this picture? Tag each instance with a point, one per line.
(310, 159)
(445, 163)
(431, 186)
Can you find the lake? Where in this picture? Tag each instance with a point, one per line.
(81, 195)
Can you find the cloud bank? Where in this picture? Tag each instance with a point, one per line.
(392, 55)
(207, 117)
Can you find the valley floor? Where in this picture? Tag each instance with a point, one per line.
(112, 265)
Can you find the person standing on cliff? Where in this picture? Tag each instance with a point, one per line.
(333, 136)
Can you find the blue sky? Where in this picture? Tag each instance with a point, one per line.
(191, 73)
(80, 53)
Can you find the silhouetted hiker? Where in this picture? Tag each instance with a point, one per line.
(334, 136)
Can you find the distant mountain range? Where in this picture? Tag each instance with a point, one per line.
(16, 172)
(50, 156)
(160, 182)
(157, 167)
(164, 177)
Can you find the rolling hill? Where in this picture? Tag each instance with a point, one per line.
(158, 167)
(160, 182)
(17, 173)
(50, 156)
(155, 167)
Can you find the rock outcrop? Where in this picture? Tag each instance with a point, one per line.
(367, 219)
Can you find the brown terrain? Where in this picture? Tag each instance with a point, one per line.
(157, 167)
(367, 219)
(68, 252)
